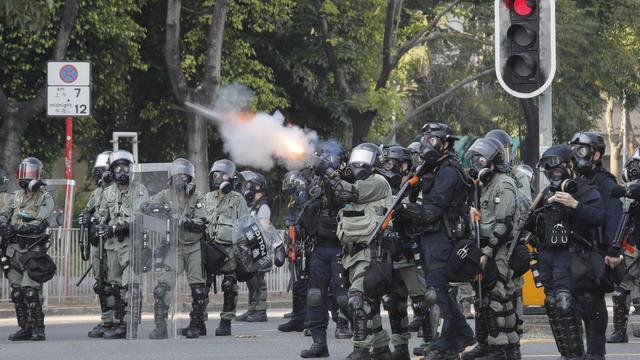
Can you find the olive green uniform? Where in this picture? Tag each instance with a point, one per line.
(93, 205)
(223, 212)
(524, 191)
(189, 250)
(354, 230)
(498, 205)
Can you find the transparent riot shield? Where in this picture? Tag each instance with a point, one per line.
(152, 254)
(251, 245)
(62, 249)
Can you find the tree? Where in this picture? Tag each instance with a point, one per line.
(17, 110)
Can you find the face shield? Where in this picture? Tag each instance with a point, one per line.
(30, 171)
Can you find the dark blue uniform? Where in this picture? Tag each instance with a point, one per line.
(553, 224)
(447, 198)
(299, 286)
(319, 221)
(592, 305)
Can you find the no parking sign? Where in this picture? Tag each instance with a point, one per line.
(69, 91)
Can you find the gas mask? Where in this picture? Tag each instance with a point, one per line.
(220, 181)
(631, 171)
(361, 163)
(430, 157)
(32, 185)
(121, 173)
(249, 191)
(392, 171)
(583, 155)
(357, 171)
(561, 179)
(481, 169)
(182, 184)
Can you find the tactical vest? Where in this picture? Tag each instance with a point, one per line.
(223, 214)
(24, 204)
(357, 221)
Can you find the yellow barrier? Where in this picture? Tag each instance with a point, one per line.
(531, 295)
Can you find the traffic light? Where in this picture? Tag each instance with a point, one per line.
(525, 47)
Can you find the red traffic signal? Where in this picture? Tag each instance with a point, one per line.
(522, 7)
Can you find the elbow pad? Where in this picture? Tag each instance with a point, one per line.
(346, 193)
(502, 229)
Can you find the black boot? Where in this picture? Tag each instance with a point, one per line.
(224, 328)
(199, 294)
(258, 316)
(343, 331)
(554, 322)
(482, 334)
(496, 352)
(381, 353)
(359, 353)
(400, 352)
(572, 327)
(621, 307)
(480, 350)
(317, 350)
(513, 352)
(291, 326)
(119, 328)
(36, 314)
(98, 330)
(441, 355)
(22, 315)
(244, 316)
(160, 312)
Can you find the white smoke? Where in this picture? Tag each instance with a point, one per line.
(256, 140)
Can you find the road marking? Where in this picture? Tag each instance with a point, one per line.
(556, 355)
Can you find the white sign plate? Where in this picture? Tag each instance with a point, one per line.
(68, 73)
(68, 101)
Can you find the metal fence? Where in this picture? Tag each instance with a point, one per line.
(65, 251)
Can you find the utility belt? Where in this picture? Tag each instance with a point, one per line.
(28, 242)
(352, 213)
(353, 249)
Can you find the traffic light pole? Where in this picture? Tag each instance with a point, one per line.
(545, 126)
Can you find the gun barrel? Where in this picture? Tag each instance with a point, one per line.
(413, 180)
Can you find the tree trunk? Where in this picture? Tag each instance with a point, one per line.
(13, 126)
(614, 140)
(531, 149)
(197, 131)
(361, 123)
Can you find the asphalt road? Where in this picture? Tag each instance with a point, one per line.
(67, 340)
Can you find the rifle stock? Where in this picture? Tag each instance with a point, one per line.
(521, 222)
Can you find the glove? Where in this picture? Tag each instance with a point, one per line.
(121, 229)
(410, 211)
(191, 226)
(84, 218)
(28, 229)
(105, 231)
(633, 192)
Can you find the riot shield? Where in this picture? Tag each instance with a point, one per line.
(252, 246)
(152, 255)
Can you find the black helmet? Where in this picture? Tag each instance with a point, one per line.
(504, 139)
(362, 161)
(119, 164)
(331, 150)
(416, 153)
(251, 184)
(30, 172)
(294, 181)
(433, 131)
(555, 162)
(101, 173)
(393, 159)
(631, 169)
(482, 154)
(181, 176)
(222, 173)
(584, 145)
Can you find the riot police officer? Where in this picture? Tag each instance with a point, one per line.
(254, 190)
(23, 226)
(318, 219)
(565, 223)
(366, 195)
(622, 293)
(396, 168)
(103, 179)
(588, 149)
(444, 209)
(224, 207)
(116, 213)
(295, 184)
(183, 197)
(495, 315)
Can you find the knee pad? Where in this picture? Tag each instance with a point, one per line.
(565, 302)
(356, 301)
(199, 293)
(31, 294)
(314, 297)
(17, 296)
(343, 303)
(431, 296)
(160, 291)
(228, 283)
(620, 295)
